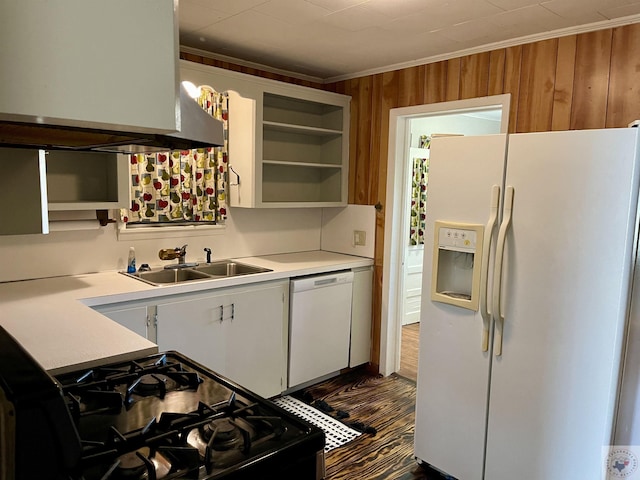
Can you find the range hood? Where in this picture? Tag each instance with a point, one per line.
(198, 129)
(96, 75)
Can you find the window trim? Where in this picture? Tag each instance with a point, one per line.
(167, 231)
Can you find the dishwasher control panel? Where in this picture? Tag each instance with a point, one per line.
(323, 280)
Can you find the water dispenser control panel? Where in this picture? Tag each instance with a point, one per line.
(457, 239)
(457, 264)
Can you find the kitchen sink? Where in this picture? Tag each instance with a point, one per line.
(170, 275)
(228, 268)
(203, 271)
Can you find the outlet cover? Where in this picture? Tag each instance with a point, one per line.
(359, 238)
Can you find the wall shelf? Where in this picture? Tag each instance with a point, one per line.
(289, 144)
(86, 180)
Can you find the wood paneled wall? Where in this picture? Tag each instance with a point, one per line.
(591, 80)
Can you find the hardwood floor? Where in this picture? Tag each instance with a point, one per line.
(388, 405)
(409, 351)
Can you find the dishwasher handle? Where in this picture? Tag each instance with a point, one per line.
(321, 281)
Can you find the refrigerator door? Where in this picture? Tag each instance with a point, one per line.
(564, 296)
(453, 369)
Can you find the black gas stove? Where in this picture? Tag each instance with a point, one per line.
(159, 417)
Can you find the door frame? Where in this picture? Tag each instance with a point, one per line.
(395, 221)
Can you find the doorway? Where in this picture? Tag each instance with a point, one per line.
(410, 129)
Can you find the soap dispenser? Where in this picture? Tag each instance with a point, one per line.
(131, 263)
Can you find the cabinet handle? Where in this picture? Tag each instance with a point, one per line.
(233, 311)
(237, 184)
(221, 313)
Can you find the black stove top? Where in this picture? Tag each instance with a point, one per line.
(163, 416)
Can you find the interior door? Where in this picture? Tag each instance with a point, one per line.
(453, 370)
(414, 260)
(564, 297)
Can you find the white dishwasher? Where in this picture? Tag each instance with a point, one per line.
(320, 325)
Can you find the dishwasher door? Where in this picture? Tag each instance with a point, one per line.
(320, 326)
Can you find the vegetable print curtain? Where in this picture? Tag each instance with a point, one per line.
(418, 201)
(187, 185)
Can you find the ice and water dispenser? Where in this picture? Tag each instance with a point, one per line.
(457, 263)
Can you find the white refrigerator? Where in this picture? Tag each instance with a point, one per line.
(518, 375)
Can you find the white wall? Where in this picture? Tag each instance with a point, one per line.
(248, 232)
(480, 123)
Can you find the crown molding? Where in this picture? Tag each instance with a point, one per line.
(591, 27)
(245, 63)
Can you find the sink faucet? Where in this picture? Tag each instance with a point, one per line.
(171, 253)
(208, 250)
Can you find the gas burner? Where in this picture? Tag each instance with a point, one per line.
(141, 464)
(222, 434)
(222, 441)
(151, 384)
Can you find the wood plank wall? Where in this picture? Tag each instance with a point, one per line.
(591, 80)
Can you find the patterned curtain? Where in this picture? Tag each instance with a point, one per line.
(182, 186)
(418, 200)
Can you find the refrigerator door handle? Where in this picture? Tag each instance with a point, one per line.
(497, 273)
(484, 279)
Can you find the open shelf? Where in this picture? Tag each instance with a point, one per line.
(295, 111)
(86, 180)
(304, 154)
(301, 147)
(287, 127)
(300, 183)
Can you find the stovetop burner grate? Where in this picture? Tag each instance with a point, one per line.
(166, 417)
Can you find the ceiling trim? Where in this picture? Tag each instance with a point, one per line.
(618, 22)
(245, 63)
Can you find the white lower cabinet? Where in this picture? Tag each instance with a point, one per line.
(243, 332)
(361, 310)
(237, 332)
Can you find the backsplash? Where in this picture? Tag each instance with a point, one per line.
(247, 232)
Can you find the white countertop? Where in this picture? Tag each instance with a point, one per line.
(51, 317)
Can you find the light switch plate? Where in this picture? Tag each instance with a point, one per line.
(359, 238)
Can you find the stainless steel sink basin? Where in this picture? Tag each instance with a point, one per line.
(203, 271)
(170, 276)
(228, 268)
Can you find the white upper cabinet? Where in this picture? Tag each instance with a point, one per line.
(288, 145)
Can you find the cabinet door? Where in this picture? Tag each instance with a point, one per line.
(256, 354)
(237, 332)
(134, 318)
(195, 327)
(23, 192)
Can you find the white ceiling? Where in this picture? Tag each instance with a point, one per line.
(335, 39)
